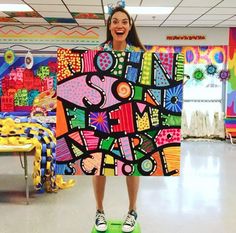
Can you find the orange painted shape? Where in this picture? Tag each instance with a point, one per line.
(150, 100)
(61, 120)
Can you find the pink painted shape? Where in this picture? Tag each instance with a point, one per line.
(166, 136)
(76, 89)
(125, 147)
(119, 167)
(76, 136)
(91, 141)
(141, 107)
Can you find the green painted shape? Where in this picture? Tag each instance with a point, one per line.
(171, 120)
(139, 155)
(152, 133)
(76, 150)
(114, 226)
(136, 171)
(107, 143)
(138, 93)
(78, 119)
(180, 67)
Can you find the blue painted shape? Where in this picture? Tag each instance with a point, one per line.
(132, 74)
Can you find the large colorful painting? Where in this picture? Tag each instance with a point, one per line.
(118, 113)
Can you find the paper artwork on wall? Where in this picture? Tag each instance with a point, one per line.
(118, 113)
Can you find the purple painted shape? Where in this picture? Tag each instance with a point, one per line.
(231, 103)
(62, 150)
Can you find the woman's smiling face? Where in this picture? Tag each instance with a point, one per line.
(119, 26)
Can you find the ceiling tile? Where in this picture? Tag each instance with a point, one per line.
(151, 17)
(11, 1)
(31, 20)
(40, 1)
(148, 23)
(54, 8)
(223, 10)
(55, 14)
(87, 9)
(233, 18)
(190, 10)
(210, 23)
(176, 23)
(227, 3)
(3, 15)
(214, 17)
(183, 17)
(229, 23)
(89, 22)
(202, 3)
(128, 2)
(83, 2)
(161, 3)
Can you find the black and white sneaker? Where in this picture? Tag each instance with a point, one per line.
(130, 221)
(100, 221)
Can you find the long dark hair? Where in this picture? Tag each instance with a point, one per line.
(132, 36)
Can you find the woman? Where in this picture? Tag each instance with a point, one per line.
(122, 36)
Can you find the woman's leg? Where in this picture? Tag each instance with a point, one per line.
(99, 183)
(132, 186)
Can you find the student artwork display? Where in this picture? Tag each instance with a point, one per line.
(27, 84)
(118, 113)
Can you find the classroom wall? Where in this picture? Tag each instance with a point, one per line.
(50, 38)
(157, 35)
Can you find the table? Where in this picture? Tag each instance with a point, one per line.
(20, 149)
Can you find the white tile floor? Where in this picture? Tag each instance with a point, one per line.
(202, 199)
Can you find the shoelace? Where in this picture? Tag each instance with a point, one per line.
(130, 220)
(101, 219)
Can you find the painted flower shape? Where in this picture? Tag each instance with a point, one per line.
(174, 98)
(211, 69)
(99, 121)
(198, 74)
(224, 75)
(29, 60)
(9, 56)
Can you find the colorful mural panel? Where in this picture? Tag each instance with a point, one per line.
(196, 54)
(119, 113)
(231, 84)
(25, 90)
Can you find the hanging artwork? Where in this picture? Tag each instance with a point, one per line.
(26, 79)
(118, 113)
(224, 75)
(29, 60)
(9, 56)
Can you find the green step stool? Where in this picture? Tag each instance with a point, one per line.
(114, 226)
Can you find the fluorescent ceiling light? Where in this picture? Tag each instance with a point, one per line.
(146, 10)
(15, 7)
